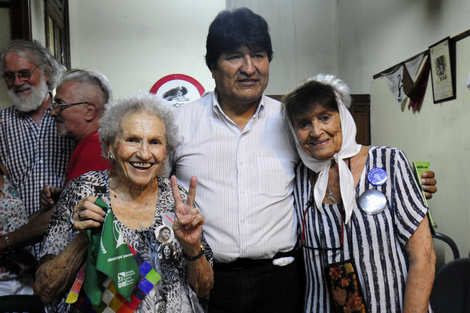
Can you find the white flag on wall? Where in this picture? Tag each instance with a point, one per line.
(395, 83)
(406, 77)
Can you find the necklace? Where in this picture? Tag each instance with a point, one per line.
(331, 194)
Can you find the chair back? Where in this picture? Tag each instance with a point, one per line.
(450, 242)
(451, 290)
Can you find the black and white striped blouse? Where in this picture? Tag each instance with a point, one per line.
(376, 242)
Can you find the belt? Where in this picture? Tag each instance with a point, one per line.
(245, 263)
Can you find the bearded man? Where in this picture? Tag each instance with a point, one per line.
(30, 148)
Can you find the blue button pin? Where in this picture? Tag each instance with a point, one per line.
(377, 176)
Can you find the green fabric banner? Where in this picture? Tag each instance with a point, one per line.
(109, 256)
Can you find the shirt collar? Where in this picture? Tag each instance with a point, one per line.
(218, 110)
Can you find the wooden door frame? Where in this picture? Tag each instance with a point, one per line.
(20, 17)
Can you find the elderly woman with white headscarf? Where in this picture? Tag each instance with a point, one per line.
(366, 237)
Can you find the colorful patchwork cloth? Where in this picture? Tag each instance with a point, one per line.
(109, 256)
(111, 300)
(116, 278)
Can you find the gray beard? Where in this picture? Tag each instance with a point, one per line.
(31, 102)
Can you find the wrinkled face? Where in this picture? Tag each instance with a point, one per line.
(242, 76)
(141, 149)
(70, 120)
(26, 95)
(319, 132)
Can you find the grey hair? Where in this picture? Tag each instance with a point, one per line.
(88, 76)
(338, 85)
(38, 55)
(110, 123)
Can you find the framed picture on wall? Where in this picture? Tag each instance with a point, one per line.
(442, 70)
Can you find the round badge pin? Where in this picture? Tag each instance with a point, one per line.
(164, 234)
(377, 176)
(372, 201)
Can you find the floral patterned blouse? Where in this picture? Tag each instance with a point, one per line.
(12, 216)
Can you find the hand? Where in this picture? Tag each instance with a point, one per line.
(429, 182)
(49, 196)
(189, 221)
(87, 214)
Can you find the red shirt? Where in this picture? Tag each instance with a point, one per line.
(86, 157)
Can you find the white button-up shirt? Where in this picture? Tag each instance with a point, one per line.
(245, 177)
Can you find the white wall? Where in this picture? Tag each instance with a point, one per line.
(377, 34)
(148, 39)
(137, 42)
(439, 133)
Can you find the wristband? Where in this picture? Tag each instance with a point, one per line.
(194, 258)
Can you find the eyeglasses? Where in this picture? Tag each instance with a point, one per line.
(61, 106)
(23, 75)
(310, 204)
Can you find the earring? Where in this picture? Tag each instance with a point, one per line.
(110, 156)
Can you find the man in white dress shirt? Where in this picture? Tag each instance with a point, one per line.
(236, 143)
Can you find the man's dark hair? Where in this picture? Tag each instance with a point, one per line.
(231, 30)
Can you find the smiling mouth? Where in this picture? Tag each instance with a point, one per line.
(141, 165)
(319, 143)
(21, 90)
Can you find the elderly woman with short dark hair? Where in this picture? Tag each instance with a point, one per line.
(366, 239)
(137, 132)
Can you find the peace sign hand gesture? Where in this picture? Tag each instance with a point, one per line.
(189, 220)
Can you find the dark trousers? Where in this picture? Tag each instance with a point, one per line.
(267, 288)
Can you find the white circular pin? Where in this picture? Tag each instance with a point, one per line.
(372, 201)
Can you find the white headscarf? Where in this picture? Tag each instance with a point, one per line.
(349, 148)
